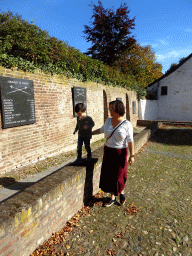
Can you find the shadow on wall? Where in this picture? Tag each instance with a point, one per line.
(13, 185)
(105, 106)
(173, 136)
(127, 108)
(88, 188)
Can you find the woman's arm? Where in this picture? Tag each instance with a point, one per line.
(96, 132)
(131, 150)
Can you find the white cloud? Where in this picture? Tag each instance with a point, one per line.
(163, 42)
(188, 30)
(160, 57)
(173, 54)
(158, 43)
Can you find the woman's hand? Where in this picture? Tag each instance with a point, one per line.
(131, 160)
(131, 150)
(96, 132)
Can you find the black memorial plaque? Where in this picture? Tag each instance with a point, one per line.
(17, 101)
(79, 96)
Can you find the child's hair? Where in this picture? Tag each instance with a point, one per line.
(80, 107)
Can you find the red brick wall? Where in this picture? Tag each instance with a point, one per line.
(53, 131)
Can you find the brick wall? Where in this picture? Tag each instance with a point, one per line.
(53, 131)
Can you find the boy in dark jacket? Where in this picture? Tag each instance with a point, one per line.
(84, 127)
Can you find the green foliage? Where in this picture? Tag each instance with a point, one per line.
(141, 91)
(109, 33)
(19, 38)
(140, 63)
(27, 47)
(174, 66)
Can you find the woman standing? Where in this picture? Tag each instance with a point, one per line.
(119, 137)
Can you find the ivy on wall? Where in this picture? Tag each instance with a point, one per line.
(27, 47)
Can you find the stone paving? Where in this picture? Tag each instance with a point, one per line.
(156, 218)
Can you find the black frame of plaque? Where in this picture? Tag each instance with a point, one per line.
(79, 96)
(17, 102)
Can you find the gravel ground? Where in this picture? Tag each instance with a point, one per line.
(156, 218)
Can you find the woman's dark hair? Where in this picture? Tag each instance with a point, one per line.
(80, 107)
(118, 107)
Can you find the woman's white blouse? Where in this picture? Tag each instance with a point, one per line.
(120, 137)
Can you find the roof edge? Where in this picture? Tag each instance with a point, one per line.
(165, 75)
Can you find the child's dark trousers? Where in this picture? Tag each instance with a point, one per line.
(87, 147)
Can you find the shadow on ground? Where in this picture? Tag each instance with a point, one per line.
(89, 199)
(18, 186)
(12, 184)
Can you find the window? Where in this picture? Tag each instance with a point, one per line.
(163, 90)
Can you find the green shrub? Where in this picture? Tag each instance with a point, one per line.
(27, 47)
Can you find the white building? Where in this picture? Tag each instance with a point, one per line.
(171, 96)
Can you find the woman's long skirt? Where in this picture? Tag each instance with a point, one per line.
(113, 170)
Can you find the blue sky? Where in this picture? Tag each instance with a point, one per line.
(166, 25)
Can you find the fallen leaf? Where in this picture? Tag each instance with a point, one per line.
(120, 234)
(132, 210)
(111, 252)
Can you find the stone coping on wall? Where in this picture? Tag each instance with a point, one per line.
(30, 217)
(148, 122)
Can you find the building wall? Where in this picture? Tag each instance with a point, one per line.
(53, 131)
(177, 104)
(148, 109)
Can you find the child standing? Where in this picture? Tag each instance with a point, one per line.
(84, 127)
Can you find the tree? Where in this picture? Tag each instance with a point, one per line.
(140, 63)
(109, 33)
(174, 66)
